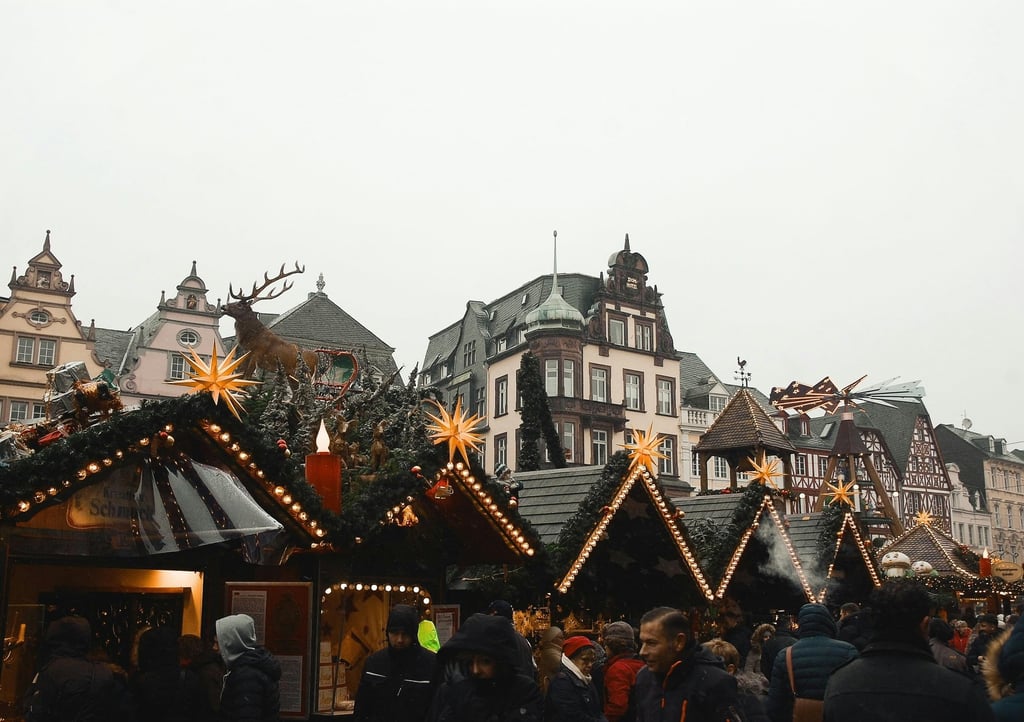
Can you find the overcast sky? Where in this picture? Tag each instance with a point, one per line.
(821, 188)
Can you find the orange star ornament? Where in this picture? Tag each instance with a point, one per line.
(458, 430)
(218, 378)
(644, 451)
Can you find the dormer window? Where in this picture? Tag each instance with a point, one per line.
(716, 403)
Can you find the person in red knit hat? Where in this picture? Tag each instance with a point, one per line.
(572, 694)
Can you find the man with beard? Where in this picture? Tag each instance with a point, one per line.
(396, 681)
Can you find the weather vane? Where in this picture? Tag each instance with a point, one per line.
(742, 375)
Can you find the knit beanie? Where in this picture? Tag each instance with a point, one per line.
(620, 631)
(575, 644)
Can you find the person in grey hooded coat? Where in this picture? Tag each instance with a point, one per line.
(251, 691)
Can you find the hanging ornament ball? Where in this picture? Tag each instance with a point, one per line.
(513, 502)
(168, 440)
(287, 453)
(282, 444)
(163, 434)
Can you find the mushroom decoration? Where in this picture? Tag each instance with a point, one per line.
(895, 564)
(922, 568)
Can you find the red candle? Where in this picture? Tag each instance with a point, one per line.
(323, 472)
(984, 567)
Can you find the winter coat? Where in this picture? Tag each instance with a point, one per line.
(396, 685)
(814, 657)
(771, 648)
(251, 692)
(697, 683)
(209, 668)
(1004, 674)
(508, 697)
(70, 687)
(163, 690)
(948, 657)
(900, 681)
(856, 629)
(977, 649)
(619, 677)
(571, 699)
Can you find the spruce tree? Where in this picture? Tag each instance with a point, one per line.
(535, 418)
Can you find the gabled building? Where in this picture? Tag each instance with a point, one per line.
(900, 442)
(996, 476)
(38, 331)
(319, 323)
(148, 358)
(605, 352)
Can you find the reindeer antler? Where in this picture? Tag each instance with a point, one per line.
(254, 295)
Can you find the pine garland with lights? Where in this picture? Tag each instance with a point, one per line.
(535, 418)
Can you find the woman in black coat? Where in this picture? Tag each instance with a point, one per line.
(164, 691)
(572, 696)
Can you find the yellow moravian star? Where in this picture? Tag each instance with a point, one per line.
(218, 378)
(841, 493)
(764, 471)
(458, 430)
(644, 450)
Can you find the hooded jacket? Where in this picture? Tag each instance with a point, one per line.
(1004, 674)
(71, 687)
(815, 655)
(251, 692)
(509, 695)
(396, 683)
(163, 690)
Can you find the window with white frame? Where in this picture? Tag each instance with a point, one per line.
(721, 468)
(19, 411)
(666, 396)
(617, 331)
(26, 350)
(644, 336)
(568, 377)
(667, 447)
(188, 338)
(500, 449)
(551, 376)
(178, 367)
(500, 345)
(801, 465)
(480, 403)
(599, 447)
(569, 440)
(47, 352)
(970, 535)
(717, 403)
(634, 390)
(599, 383)
(468, 354)
(501, 396)
(822, 465)
(694, 464)
(38, 317)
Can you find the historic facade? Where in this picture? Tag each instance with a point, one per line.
(38, 331)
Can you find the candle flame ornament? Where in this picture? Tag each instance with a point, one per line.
(218, 378)
(323, 471)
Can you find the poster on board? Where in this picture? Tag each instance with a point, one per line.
(284, 623)
(446, 619)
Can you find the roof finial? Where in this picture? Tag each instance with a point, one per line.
(193, 269)
(627, 242)
(742, 375)
(46, 243)
(320, 284)
(554, 272)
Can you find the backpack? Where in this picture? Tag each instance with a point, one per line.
(805, 709)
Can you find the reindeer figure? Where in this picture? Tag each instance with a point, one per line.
(266, 349)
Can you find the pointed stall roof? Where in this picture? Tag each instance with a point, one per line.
(743, 425)
(810, 534)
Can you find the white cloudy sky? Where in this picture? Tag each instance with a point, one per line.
(823, 188)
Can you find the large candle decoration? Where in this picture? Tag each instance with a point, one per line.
(323, 471)
(985, 565)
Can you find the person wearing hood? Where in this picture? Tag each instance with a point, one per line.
(70, 686)
(572, 696)
(482, 680)
(896, 678)
(549, 656)
(802, 670)
(396, 685)
(681, 679)
(250, 692)
(1004, 674)
(164, 691)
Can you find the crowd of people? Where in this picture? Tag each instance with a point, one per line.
(894, 659)
(171, 678)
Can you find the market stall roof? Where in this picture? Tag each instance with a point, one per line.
(181, 473)
(743, 426)
(550, 497)
(925, 542)
(818, 538)
(729, 522)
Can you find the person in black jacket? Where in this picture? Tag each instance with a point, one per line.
(682, 680)
(251, 692)
(854, 625)
(896, 678)
(165, 691)
(785, 636)
(71, 687)
(481, 677)
(197, 656)
(572, 696)
(396, 681)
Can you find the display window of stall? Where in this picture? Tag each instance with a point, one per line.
(353, 625)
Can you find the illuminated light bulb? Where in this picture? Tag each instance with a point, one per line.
(387, 587)
(252, 466)
(119, 454)
(93, 467)
(81, 474)
(296, 507)
(260, 473)
(243, 456)
(215, 428)
(426, 600)
(320, 532)
(39, 497)
(459, 466)
(328, 590)
(225, 437)
(401, 588)
(416, 590)
(278, 491)
(286, 499)
(303, 516)
(359, 587)
(450, 466)
(52, 491)
(313, 523)
(23, 505)
(108, 461)
(66, 484)
(373, 587)
(236, 447)
(476, 486)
